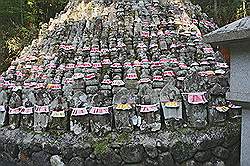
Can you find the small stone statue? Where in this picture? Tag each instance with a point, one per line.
(123, 109)
(3, 105)
(15, 104)
(59, 113)
(27, 112)
(42, 111)
(148, 108)
(100, 115)
(79, 120)
(217, 104)
(195, 100)
(171, 102)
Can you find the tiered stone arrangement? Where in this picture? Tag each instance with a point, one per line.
(124, 65)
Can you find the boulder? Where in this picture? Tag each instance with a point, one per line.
(76, 161)
(221, 152)
(132, 153)
(110, 158)
(56, 161)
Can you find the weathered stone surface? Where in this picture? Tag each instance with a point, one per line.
(41, 158)
(182, 151)
(202, 156)
(151, 151)
(110, 158)
(90, 162)
(234, 157)
(5, 158)
(76, 161)
(149, 162)
(132, 153)
(52, 149)
(83, 151)
(56, 161)
(166, 159)
(221, 152)
(12, 149)
(190, 163)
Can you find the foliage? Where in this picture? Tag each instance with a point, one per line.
(20, 22)
(226, 9)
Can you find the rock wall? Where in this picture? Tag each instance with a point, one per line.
(215, 146)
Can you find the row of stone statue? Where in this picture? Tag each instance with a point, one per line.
(146, 111)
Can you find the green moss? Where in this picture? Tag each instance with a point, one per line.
(123, 137)
(101, 146)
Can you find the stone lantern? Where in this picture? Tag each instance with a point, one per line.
(235, 38)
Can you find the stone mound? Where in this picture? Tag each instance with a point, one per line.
(126, 64)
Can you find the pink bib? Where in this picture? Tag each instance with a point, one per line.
(99, 110)
(79, 112)
(197, 98)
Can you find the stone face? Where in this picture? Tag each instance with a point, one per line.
(132, 153)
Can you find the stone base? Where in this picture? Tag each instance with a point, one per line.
(185, 146)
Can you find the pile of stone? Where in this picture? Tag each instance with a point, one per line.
(118, 65)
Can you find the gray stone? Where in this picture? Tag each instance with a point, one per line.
(76, 161)
(166, 159)
(221, 152)
(138, 164)
(41, 158)
(12, 149)
(207, 164)
(182, 151)
(82, 151)
(151, 151)
(90, 162)
(149, 162)
(161, 147)
(132, 153)
(190, 163)
(52, 149)
(110, 158)
(56, 161)
(202, 156)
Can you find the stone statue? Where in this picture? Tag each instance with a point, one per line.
(218, 107)
(100, 114)
(171, 102)
(27, 111)
(3, 106)
(15, 104)
(148, 107)
(42, 110)
(59, 113)
(79, 106)
(195, 100)
(123, 104)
